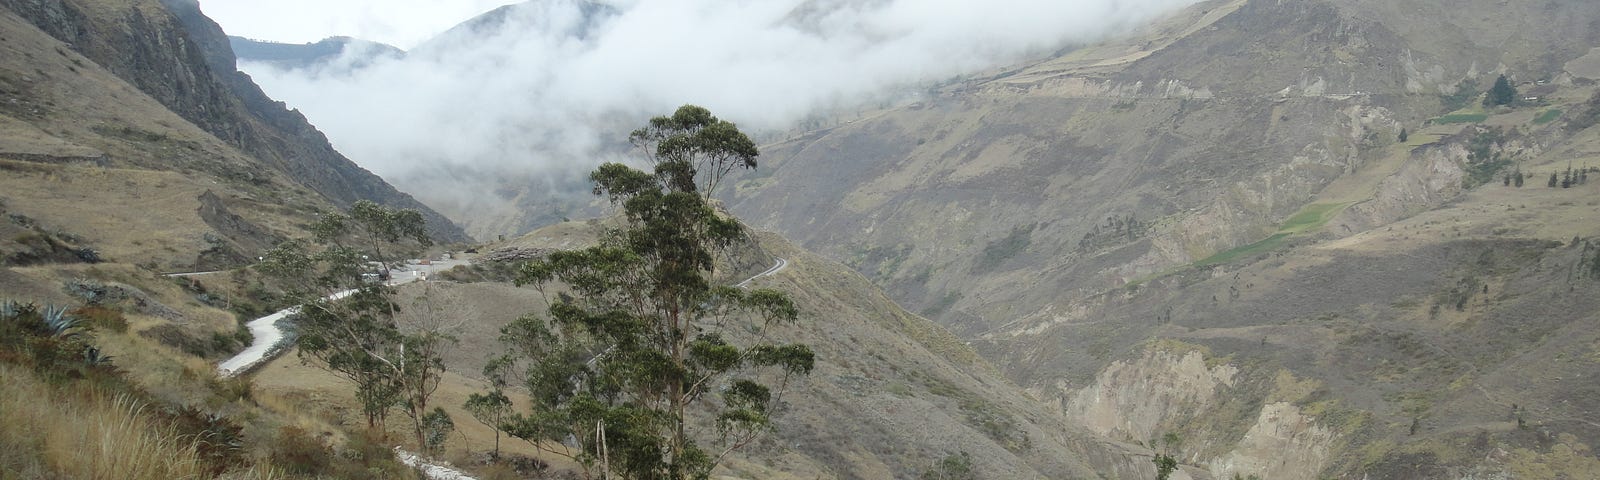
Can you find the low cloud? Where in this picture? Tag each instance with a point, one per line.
(462, 120)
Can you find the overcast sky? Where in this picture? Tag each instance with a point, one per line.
(402, 23)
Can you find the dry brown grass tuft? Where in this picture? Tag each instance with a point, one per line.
(86, 433)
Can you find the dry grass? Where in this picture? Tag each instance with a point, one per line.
(90, 434)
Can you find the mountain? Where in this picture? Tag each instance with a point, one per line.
(175, 55)
(509, 19)
(1212, 229)
(1280, 239)
(130, 148)
(354, 52)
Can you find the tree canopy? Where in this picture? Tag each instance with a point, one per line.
(637, 332)
(348, 325)
(1502, 93)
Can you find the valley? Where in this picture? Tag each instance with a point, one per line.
(1263, 239)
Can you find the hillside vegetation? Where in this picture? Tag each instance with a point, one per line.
(1227, 195)
(1272, 239)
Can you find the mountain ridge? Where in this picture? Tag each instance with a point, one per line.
(207, 90)
(1088, 220)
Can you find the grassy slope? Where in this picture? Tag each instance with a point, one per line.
(86, 153)
(86, 156)
(892, 393)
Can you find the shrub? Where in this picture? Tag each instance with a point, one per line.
(437, 425)
(102, 318)
(49, 339)
(297, 451)
(367, 456)
(218, 440)
(952, 467)
(88, 255)
(231, 389)
(93, 292)
(87, 433)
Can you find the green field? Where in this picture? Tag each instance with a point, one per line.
(1310, 218)
(1461, 118)
(1262, 246)
(1548, 116)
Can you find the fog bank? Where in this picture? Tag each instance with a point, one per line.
(538, 99)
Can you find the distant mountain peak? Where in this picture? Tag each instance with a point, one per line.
(325, 52)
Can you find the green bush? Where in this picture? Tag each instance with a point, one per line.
(952, 467)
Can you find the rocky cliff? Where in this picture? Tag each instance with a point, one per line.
(172, 52)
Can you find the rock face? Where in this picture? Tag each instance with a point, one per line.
(1131, 400)
(172, 52)
(237, 239)
(1283, 443)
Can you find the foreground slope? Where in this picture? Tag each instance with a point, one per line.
(1214, 230)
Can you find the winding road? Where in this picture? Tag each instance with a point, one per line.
(267, 337)
(777, 267)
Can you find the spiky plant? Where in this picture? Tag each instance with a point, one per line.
(59, 324)
(10, 310)
(94, 358)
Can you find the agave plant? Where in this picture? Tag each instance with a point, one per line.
(93, 357)
(10, 310)
(59, 324)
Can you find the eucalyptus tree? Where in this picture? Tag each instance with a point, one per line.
(347, 324)
(638, 333)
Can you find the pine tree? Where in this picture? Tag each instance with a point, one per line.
(1501, 94)
(1554, 180)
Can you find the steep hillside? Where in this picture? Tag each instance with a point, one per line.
(170, 51)
(91, 157)
(1180, 232)
(1121, 160)
(112, 172)
(892, 394)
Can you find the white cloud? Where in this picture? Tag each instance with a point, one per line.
(534, 98)
(402, 23)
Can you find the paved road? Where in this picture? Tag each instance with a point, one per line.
(266, 334)
(777, 267)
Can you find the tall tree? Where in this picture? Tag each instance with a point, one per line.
(492, 409)
(349, 325)
(1502, 93)
(638, 332)
(691, 143)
